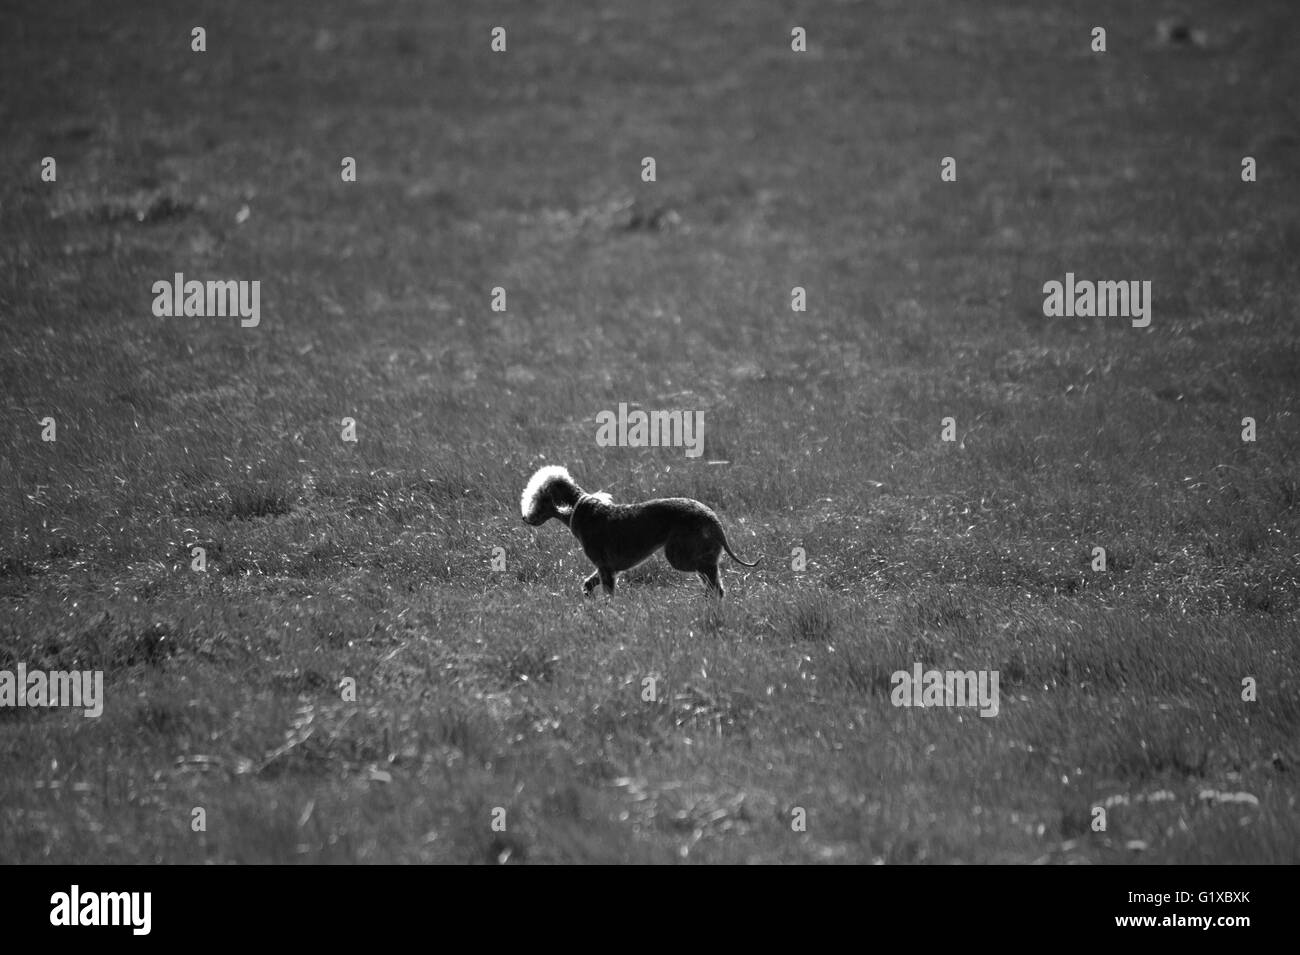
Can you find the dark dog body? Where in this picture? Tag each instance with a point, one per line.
(617, 537)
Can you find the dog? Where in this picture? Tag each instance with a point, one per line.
(617, 537)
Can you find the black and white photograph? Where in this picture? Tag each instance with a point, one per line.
(650, 433)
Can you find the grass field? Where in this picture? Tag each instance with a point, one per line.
(373, 561)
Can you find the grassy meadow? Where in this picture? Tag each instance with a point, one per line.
(372, 561)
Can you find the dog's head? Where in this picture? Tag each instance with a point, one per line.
(550, 493)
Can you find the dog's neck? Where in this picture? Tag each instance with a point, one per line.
(583, 498)
(568, 495)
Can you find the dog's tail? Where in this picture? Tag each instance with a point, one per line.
(732, 554)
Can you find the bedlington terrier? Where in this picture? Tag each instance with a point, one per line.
(617, 537)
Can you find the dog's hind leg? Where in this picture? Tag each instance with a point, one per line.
(712, 581)
(606, 579)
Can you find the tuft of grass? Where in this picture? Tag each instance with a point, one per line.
(810, 618)
(250, 500)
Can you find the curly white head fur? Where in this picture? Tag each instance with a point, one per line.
(537, 504)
